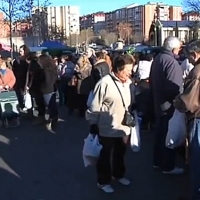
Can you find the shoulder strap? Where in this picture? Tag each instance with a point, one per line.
(118, 91)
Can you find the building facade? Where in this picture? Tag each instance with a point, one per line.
(4, 27)
(141, 16)
(181, 29)
(191, 16)
(95, 21)
(56, 20)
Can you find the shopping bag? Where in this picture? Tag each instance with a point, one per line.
(27, 101)
(91, 150)
(90, 98)
(135, 135)
(88, 160)
(177, 130)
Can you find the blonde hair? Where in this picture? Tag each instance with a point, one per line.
(83, 62)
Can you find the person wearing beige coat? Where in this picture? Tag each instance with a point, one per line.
(105, 116)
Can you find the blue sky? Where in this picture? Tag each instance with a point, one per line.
(90, 6)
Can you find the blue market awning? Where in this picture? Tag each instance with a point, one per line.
(53, 45)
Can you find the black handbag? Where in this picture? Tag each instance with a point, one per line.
(128, 119)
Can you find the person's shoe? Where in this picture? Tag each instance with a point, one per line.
(52, 124)
(39, 120)
(105, 188)
(124, 181)
(175, 171)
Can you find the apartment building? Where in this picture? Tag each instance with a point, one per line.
(4, 26)
(61, 18)
(190, 16)
(19, 28)
(141, 16)
(95, 21)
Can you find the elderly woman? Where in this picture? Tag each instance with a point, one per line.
(7, 78)
(113, 97)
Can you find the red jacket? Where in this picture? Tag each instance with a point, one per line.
(7, 79)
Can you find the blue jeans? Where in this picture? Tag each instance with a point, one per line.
(194, 155)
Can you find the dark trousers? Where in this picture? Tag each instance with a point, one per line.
(82, 103)
(62, 91)
(163, 156)
(39, 100)
(194, 156)
(52, 107)
(20, 98)
(111, 161)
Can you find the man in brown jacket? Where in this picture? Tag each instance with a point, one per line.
(189, 102)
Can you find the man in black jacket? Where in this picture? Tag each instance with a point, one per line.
(165, 83)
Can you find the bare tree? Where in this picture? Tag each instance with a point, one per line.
(193, 6)
(36, 14)
(103, 33)
(85, 35)
(13, 12)
(137, 38)
(74, 40)
(124, 31)
(57, 33)
(108, 37)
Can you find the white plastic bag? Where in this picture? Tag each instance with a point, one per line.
(135, 135)
(177, 130)
(91, 150)
(27, 101)
(90, 98)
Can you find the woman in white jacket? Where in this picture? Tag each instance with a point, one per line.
(113, 95)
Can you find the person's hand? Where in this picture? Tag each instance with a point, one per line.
(94, 129)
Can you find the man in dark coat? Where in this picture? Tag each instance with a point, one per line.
(165, 83)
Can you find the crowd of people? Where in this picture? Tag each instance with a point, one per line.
(119, 84)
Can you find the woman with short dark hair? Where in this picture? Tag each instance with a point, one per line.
(113, 96)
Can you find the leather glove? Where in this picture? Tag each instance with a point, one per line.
(94, 129)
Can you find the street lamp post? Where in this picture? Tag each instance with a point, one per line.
(39, 21)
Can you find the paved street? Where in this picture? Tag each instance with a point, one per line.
(38, 165)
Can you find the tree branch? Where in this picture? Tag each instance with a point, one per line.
(192, 5)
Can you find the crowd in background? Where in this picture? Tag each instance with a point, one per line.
(120, 83)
